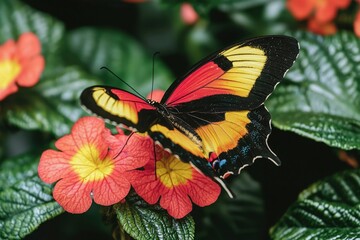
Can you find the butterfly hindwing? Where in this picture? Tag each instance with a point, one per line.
(228, 144)
(251, 146)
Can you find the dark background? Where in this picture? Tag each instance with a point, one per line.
(303, 161)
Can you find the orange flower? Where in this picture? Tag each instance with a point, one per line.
(357, 24)
(322, 28)
(175, 183)
(188, 14)
(320, 13)
(92, 163)
(20, 64)
(322, 10)
(301, 9)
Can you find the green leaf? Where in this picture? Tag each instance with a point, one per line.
(143, 221)
(320, 97)
(95, 48)
(25, 201)
(329, 209)
(50, 106)
(240, 218)
(17, 18)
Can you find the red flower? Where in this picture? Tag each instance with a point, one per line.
(92, 163)
(20, 64)
(322, 28)
(357, 24)
(323, 10)
(188, 14)
(320, 12)
(176, 183)
(301, 9)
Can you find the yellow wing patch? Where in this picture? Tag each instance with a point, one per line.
(222, 136)
(180, 139)
(216, 137)
(117, 108)
(248, 63)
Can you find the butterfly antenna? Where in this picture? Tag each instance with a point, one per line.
(127, 140)
(153, 74)
(139, 95)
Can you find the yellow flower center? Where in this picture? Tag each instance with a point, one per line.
(88, 165)
(9, 69)
(173, 172)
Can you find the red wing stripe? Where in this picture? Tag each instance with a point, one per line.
(197, 81)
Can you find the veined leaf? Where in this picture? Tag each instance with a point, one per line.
(25, 201)
(329, 209)
(50, 106)
(240, 218)
(17, 18)
(143, 221)
(320, 97)
(95, 48)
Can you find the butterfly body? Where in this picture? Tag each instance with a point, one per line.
(213, 117)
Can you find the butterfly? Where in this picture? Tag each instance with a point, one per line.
(214, 116)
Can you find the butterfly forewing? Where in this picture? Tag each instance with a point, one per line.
(240, 77)
(119, 107)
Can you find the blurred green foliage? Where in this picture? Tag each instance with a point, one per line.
(319, 99)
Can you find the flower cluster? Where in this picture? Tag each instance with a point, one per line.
(94, 164)
(20, 64)
(320, 14)
(175, 183)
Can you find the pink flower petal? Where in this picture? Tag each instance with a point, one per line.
(341, 3)
(9, 90)
(73, 195)
(176, 202)
(28, 46)
(188, 14)
(8, 50)
(111, 190)
(146, 185)
(301, 9)
(31, 71)
(325, 13)
(87, 130)
(356, 25)
(135, 154)
(53, 166)
(203, 191)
